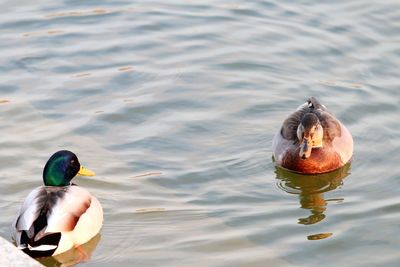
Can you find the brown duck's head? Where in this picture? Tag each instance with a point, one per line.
(310, 134)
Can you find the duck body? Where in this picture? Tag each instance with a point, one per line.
(311, 141)
(56, 218)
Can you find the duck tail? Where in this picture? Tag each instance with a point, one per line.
(313, 103)
(41, 248)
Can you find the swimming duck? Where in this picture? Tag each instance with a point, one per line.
(59, 215)
(312, 140)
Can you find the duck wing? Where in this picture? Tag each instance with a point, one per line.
(68, 210)
(45, 214)
(289, 126)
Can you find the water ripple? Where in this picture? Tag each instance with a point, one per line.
(174, 105)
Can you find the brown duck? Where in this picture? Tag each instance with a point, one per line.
(312, 140)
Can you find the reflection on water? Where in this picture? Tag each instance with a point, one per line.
(319, 236)
(98, 11)
(73, 256)
(311, 189)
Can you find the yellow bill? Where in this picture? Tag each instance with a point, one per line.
(85, 172)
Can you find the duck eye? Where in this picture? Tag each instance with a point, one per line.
(72, 161)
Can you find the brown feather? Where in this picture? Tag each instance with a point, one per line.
(72, 218)
(321, 160)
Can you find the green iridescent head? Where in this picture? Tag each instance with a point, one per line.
(61, 168)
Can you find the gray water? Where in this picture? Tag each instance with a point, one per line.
(174, 105)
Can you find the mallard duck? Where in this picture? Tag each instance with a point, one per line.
(312, 140)
(59, 215)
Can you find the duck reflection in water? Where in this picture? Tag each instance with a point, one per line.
(311, 189)
(73, 256)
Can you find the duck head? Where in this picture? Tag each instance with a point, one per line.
(62, 167)
(310, 134)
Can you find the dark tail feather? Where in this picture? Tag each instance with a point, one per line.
(32, 247)
(313, 103)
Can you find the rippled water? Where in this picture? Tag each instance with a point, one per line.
(174, 105)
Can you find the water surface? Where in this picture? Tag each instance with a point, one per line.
(174, 105)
